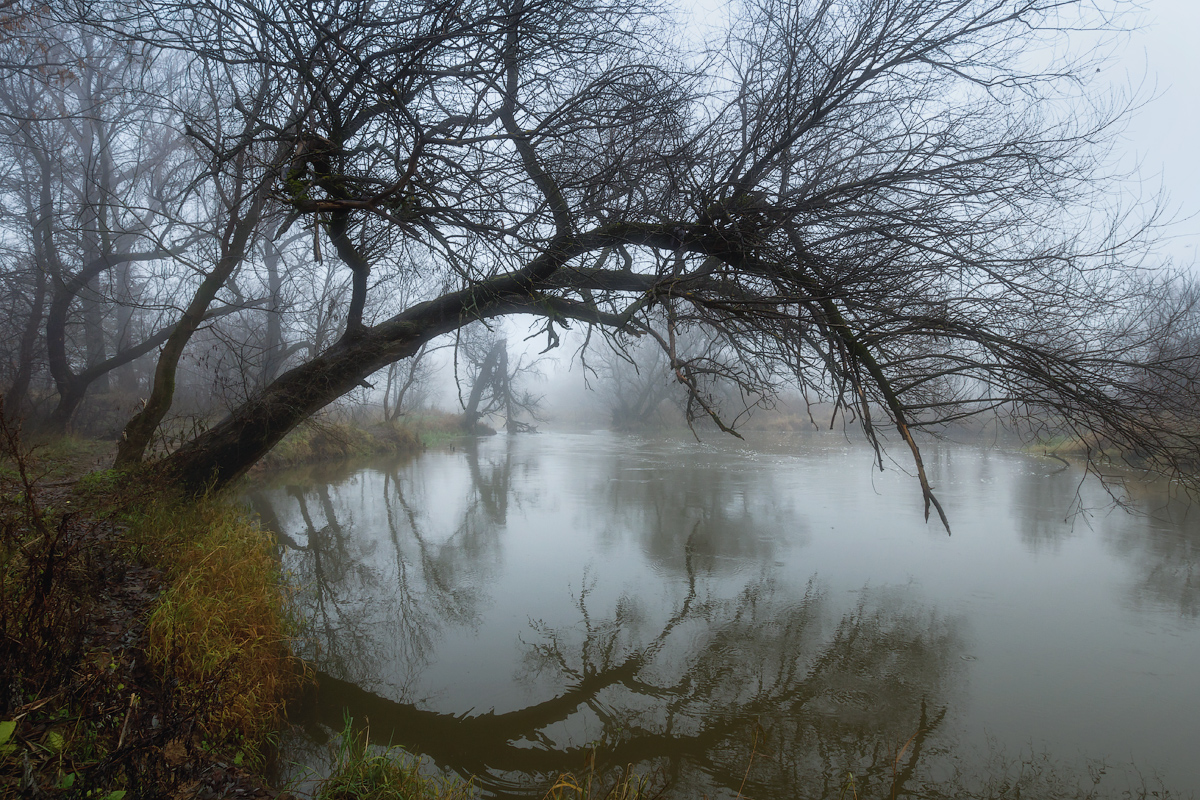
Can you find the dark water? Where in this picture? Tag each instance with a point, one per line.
(770, 619)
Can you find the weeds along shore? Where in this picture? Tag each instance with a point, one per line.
(323, 440)
(145, 637)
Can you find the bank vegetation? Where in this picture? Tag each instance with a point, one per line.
(144, 638)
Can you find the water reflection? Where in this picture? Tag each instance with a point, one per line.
(749, 693)
(1164, 552)
(517, 608)
(726, 517)
(358, 592)
(756, 693)
(1048, 501)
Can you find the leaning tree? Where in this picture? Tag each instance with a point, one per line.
(898, 204)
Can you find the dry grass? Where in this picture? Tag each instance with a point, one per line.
(110, 687)
(326, 441)
(221, 630)
(623, 784)
(436, 429)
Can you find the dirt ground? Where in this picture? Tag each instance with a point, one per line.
(84, 715)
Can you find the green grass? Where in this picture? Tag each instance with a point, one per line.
(222, 628)
(624, 784)
(367, 772)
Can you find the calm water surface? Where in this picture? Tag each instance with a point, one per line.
(768, 617)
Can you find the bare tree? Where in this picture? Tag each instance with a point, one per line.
(877, 199)
(494, 383)
(243, 181)
(638, 385)
(102, 186)
(407, 384)
(633, 382)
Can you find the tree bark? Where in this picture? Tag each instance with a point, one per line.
(226, 451)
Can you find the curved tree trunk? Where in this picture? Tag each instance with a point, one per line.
(226, 451)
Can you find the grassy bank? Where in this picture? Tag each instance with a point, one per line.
(143, 639)
(220, 628)
(144, 648)
(322, 440)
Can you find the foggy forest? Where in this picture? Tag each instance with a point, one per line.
(226, 222)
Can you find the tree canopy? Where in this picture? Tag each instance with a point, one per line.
(898, 206)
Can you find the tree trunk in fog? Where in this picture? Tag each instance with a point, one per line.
(274, 349)
(127, 382)
(487, 379)
(235, 243)
(71, 386)
(94, 345)
(97, 193)
(17, 396)
(404, 383)
(224, 452)
(510, 417)
(140, 429)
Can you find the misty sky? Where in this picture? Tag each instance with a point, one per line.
(1163, 135)
(1158, 60)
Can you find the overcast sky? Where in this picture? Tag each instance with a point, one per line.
(1158, 60)
(1165, 134)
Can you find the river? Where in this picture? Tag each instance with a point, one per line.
(770, 618)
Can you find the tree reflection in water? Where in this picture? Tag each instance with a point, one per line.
(759, 694)
(763, 690)
(1164, 551)
(760, 691)
(745, 693)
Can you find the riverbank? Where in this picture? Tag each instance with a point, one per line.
(145, 646)
(321, 440)
(114, 720)
(144, 639)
